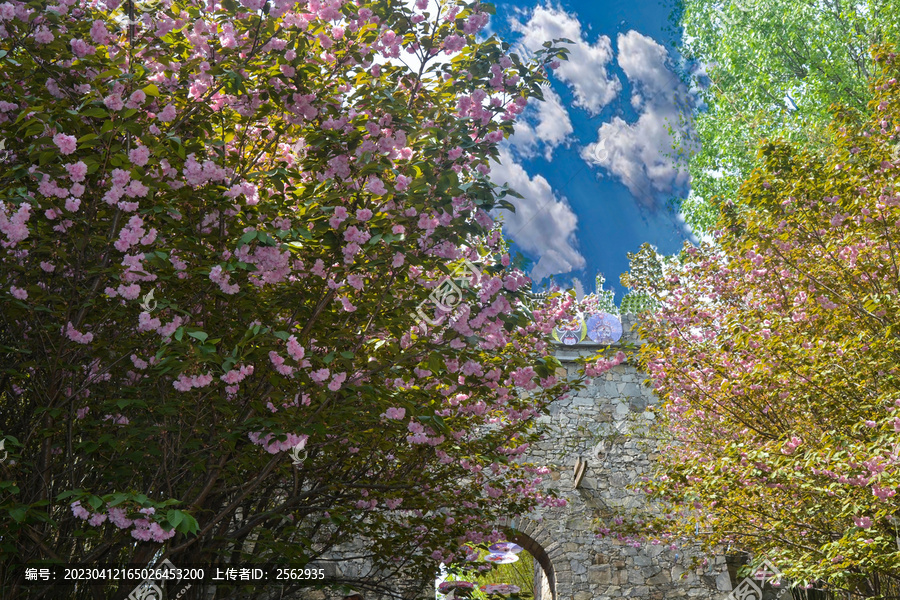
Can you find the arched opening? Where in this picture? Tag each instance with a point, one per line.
(531, 573)
(544, 579)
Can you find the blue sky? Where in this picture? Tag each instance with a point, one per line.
(591, 161)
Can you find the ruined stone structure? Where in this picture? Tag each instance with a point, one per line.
(601, 425)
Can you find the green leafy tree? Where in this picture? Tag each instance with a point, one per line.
(772, 68)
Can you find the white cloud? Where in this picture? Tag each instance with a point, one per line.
(543, 223)
(544, 124)
(640, 153)
(585, 71)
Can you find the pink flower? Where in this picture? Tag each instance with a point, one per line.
(337, 381)
(346, 303)
(364, 214)
(99, 33)
(42, 35)
(77, 171)
(136, 99)
(355, 281)
(454, 43)
(376, 186)
(79, 511)
(114, 102)
(882, 493)
(136, 189)
(67, 144)
(862, 522)
(81, 48)
(320, 375)
(139, 155)
(76, 336)
(395, 413)
(18, 293)
(167, 114)
(402, 182)
(791, 445)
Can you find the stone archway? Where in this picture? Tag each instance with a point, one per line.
(544, 576)
(534, 540)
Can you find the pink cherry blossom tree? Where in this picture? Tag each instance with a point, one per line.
(219, 222)
(774, 350)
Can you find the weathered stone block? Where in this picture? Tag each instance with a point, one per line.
(660, 578)
(650, 571)
(640, 591)
(723, 582)
(600, 574)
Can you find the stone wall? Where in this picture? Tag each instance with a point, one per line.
(602, 424)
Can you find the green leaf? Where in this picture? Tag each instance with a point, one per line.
(199, 335)
(247, 237)
(175, 517)
(95, 112)
(18, 514)
(34, 129)
(265, 238)
(188, 524)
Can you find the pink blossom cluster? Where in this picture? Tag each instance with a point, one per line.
(185, 383)
(144, 529)
(223, 279)
(14, 227)
(273, 446)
